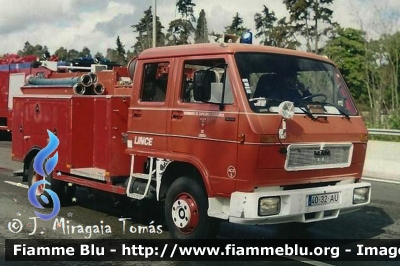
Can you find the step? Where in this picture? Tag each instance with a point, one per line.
(136, 196)
(141, 176)
(94, 173)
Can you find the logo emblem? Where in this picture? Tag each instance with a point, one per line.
(203, 121)
(231, 171)
(43, 167)
(322, 152)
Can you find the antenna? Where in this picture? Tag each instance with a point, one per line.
(154, 22)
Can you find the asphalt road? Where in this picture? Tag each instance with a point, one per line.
(379, 220)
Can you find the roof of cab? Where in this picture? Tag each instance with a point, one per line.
(220, 48)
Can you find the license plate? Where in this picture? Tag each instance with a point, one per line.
(323, 199)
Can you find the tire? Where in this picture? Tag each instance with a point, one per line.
(186, 206)
(62, 189)
(34, 177)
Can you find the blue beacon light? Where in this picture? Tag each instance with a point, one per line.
(247, 37)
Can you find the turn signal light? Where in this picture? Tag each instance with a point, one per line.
(364, 137)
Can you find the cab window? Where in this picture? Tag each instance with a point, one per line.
(155, 82)
(219, 80)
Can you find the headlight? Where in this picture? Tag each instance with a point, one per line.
(269, 206)
(360, 195)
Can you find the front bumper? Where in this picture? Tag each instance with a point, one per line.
(242, 207)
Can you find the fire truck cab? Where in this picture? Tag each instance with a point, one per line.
(243, 133)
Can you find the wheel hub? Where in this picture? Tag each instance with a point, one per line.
(185, 213)
(40, 189)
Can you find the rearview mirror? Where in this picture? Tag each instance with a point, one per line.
(202, 85)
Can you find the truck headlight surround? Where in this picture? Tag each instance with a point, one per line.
(361, 195)
(268, 206)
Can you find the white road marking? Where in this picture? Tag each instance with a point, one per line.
(380, 180)
(16, 184)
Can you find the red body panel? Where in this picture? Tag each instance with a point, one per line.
(89, 129)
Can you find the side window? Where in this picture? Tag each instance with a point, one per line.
(217, 83)
(155, 82)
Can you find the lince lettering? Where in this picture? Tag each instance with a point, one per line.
(145, 141)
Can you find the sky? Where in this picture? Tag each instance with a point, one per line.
(74, 24)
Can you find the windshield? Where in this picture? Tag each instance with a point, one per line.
(315, 87)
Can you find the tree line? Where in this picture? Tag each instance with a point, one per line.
(369, 66)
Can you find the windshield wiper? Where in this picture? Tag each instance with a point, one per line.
(305, 109)
(340, 109)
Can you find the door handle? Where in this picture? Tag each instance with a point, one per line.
(137, 113)
(177, 114)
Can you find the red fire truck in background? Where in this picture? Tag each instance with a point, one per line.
(207, 130)
(13, 70)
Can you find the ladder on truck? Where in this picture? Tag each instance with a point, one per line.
(134, 176)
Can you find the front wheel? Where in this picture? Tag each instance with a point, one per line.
(186, 208)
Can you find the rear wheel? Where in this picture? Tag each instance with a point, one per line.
(64, 191)
(34, 177)
(186, 208)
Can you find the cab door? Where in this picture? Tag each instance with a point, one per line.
(204, 134)
(148, 115)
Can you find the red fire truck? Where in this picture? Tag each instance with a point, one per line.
(12, 76)
(243, 133)
(13, 72)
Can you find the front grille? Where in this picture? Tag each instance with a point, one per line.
(309, 185)
(318, 156)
